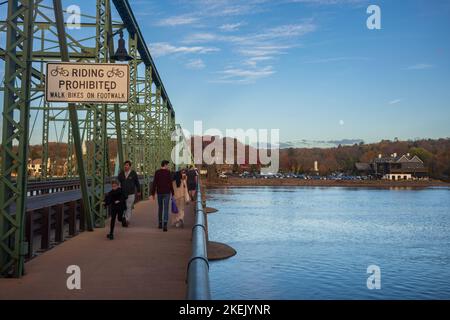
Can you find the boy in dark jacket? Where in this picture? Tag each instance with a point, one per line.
(115, 200)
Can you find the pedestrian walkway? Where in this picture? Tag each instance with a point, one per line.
(142, 262)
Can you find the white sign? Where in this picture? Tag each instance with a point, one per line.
(87, 83)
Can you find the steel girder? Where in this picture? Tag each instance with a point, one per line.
(73, 115)
(100, 139)
(157, 129)
(133, 104)
(126, 13)
(144, 124)
(16, 114)
(148, 154)
(165, 137)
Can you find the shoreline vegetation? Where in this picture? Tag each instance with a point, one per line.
(246, 182)
(435, 154)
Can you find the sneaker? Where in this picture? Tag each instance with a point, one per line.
(124, 222)
(160, 225)
(165, 227)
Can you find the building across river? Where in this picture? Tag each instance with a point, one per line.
(395, 167)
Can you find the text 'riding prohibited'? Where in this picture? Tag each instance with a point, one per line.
(87, 83)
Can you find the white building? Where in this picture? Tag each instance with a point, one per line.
(34, 167)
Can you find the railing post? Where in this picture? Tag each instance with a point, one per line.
(72, 218)
(29, 233)
(82, 215)
(45, 228)
(59, 226)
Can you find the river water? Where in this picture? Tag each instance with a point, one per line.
(317, 243)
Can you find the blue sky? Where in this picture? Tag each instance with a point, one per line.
(310, 68)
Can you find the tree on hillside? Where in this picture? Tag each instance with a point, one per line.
(422, 153)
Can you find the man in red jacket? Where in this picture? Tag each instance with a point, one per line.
(162, 184)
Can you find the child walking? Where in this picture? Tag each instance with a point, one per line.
(115, 200)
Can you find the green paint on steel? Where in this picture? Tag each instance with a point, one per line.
(16, 114)
(141, 128)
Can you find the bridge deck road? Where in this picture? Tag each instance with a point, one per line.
(142, 262)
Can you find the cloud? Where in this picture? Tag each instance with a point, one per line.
(336, 59)
(395, 101)
(160, 49)
(230, 27)
(288, 31)
(202, 37)
(196, 64)
(252, 53)
(279, 33)
(275, 34)
(329, 2)
(176, 21)
(420, 66)
(215, 8)
(255, 49)
(240, 75)
(253, 61)
(206, 9)
(264, 51)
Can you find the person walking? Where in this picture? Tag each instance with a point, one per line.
(129, 181)
(162, 185)
(115, 201)
(180, 191)
(192, 179)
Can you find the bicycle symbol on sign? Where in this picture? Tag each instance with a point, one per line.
(115, 72)
(59, 71)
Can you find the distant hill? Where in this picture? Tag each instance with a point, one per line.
(342, 156)
(435, 154)
(319, 143)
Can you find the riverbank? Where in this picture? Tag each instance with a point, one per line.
(244, 182)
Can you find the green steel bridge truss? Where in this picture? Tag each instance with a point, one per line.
(34, 33)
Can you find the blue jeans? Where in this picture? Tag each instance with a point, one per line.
(163, 203)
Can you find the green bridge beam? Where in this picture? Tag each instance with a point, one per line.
(141, 128)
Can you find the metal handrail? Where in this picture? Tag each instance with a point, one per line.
(64, 182)
(198, 266)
